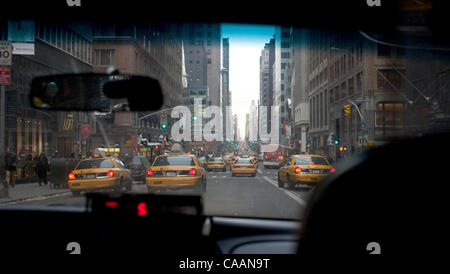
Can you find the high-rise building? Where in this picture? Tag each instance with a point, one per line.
(299, 88)
(226, 96)
(266, 61)
(202, 57)
(282, 69)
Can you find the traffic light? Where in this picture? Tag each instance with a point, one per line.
(341, 148)
(163, 126)
(336, 141)
(347, 110)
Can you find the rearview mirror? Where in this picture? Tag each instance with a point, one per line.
(96, 92)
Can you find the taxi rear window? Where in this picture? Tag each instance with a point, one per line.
(307, 160)
(97, 163)
(243, 161)
(217, 160)
(174, 161)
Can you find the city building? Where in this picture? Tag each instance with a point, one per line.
(153, 50)
(226, 96)
(347, 71)
(299, 88)
(266, 81)
(58, 49)
(282, 69)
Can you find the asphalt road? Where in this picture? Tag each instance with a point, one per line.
(225, 195)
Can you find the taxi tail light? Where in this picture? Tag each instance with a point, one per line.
(298, 170)
(192, 172)
(253, 166)
(332, 170)
(71, 176)
(150, 172)
(110, 173)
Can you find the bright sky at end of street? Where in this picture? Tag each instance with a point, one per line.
(246, 43)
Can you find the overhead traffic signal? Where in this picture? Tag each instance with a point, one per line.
(163, 126)
(347, 110)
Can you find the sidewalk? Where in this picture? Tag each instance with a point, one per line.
(30, 190)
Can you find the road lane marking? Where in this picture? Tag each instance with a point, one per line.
(287, 192)
(259, 171)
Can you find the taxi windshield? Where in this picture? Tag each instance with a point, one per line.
(174, 161)
(97, 163)
(229, 90)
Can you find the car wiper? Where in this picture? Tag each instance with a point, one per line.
(129, 204)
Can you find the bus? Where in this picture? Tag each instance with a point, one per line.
(274, 154)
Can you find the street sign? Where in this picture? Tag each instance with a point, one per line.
(23, 48)
(5, 53)
(5, 76)
(435, 104)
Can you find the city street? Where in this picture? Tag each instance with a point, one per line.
(225, 195)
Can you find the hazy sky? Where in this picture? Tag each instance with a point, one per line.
(246, 43)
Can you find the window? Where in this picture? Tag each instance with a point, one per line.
(351, 86)
(208, 43)
(100, 163)
(392, 75)
(282, 76)
(283, 65)
(104, 57)
(390, 114)
(282, 86)
(209, 60)
(285, 55)
(284, 45)
(383, 50)
(174, 161)
(359, 82)
(331, 96)
(285, 35)
(343, 89)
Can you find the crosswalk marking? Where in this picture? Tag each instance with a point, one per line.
(287, 192)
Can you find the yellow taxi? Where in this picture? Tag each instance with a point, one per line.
(243, 166)
(303, 170)
(216, 163)
(176, 172)
(101, 172)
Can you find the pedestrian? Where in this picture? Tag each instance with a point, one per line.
(42, 168)
(10, 167)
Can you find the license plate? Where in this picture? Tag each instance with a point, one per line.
(76, 184)
(157, 182)
(171, 174)
(90, 176)
(316, 172)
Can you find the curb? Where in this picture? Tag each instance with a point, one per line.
(33, 197)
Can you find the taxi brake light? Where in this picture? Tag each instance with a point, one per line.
(298, 170)
(332, 170)
(311, 163)
(150, 172)
(110, 173)
(94, 166)
(71, 176)
(193, 172)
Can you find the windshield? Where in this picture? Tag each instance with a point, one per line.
(174, 161)
(229, 89)
(100, 163)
